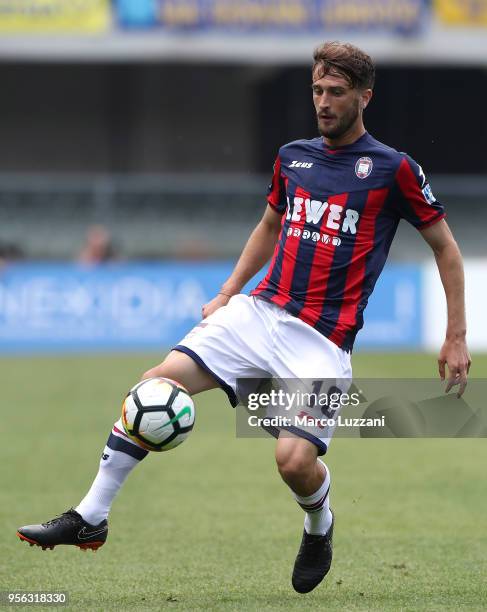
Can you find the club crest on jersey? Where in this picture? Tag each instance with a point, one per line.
(363, 167)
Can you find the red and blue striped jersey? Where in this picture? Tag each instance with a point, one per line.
(340, 210)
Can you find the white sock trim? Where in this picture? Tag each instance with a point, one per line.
(318, 517)
(314, 502)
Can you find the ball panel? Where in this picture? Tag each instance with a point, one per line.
(154, 392)
(170, 444)
(129, 414)
(184, 409)
(135, 387)
(155, 427)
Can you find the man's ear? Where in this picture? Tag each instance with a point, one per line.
(366, 97)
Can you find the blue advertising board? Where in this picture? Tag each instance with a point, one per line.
(151, 306)
(403, 16)
(114, 306)
(393, 317)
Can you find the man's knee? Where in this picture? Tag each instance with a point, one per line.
(293, 467)
(172, 367)
(152, 373)
(184, 370)
(295, 458)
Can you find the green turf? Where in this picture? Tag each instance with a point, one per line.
(210, 525)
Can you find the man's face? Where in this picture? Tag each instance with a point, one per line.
(338, 106)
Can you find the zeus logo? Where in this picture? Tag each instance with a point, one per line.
(298, 164)
(338, 218)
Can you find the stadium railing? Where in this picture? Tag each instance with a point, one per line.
(180, 216)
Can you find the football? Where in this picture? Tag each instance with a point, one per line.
(158, 414)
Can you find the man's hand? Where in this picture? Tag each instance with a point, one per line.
(216, 303)
(454, 353)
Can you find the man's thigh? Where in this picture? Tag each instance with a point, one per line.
(313, 372)
(184, 370)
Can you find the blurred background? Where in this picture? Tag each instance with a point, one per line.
(137, 139)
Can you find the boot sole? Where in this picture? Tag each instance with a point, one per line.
(94, 546)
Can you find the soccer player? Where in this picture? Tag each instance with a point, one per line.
(334, 205)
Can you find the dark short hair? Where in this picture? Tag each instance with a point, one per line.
(346, 60)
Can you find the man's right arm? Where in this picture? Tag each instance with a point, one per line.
(256, 253)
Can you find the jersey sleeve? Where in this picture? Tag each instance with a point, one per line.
(416, 202)
(276, 193)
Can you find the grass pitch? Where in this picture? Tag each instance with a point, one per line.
(211, 526)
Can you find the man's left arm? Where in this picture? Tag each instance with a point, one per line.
(454, 352)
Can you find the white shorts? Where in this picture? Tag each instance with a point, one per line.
(251, 338)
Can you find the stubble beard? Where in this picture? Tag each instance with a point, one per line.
(343, 125)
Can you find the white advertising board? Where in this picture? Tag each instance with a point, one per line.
(434, 305)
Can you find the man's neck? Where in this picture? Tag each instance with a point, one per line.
(346, 139)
